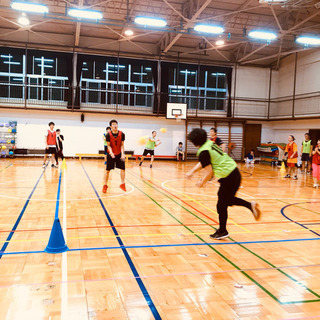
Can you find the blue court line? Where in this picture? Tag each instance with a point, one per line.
(221, 243)
(56, 215)
(9, 165)
(5, 245)
(298, 223)
(126, 254)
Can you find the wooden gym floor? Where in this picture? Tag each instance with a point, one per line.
(146, 254)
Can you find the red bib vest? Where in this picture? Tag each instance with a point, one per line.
(115, 143)
(51, 138)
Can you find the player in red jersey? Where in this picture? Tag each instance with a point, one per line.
(50, 141)
(115, 157)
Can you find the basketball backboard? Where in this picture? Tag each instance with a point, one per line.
(176, 109)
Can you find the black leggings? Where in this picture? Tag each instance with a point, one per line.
(59, 154)
(226, 197)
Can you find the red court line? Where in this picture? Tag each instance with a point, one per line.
(156, 225)
(217, 223)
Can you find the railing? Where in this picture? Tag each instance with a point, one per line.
(136, 102)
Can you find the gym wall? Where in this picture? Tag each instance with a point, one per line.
(87, 136)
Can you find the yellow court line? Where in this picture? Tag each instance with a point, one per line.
(204, 206)
(161, 234)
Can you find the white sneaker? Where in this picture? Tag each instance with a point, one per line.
(315, 185)
(44, 165)
(255, 210)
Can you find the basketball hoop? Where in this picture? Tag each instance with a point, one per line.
(178, 117)
(231, 146)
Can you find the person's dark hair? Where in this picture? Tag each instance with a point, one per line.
(251, 150)
(153, 131)
(108, 128)
(197, 136)
(307, 134)
(293, 138)
(112, 121)
(214, 129)
(58, 130)
(50, 123)
(180, 143)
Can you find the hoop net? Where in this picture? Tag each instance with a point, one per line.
(178, 117)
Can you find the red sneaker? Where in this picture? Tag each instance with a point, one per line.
(123, 187)
(104, 189)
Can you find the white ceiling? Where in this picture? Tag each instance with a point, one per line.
(57, 31)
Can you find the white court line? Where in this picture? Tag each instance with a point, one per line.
(64, 263)
(247, 195)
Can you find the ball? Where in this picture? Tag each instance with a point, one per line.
(14, 130)
(9, 130)
(11, 153)
(4, 147)
(163, 130)
(143, 140)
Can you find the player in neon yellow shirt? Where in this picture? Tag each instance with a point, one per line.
(215, 162)
(306, 153)
(149, 148)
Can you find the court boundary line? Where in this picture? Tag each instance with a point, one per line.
(292, 220)
(261, 258)
(221, 243)
(64, 261)
(309, 222)
(140, 283)
(15, 226)
(9, 165)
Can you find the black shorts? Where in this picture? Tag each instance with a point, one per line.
(105, 150)
(51, 150)
(115, 162)
(305, 157)
(146, 151)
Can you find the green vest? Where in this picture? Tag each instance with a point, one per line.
(222, 164)
(104, 140)
(306, 146)
(150, 145)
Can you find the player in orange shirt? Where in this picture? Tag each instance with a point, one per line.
(292, 153)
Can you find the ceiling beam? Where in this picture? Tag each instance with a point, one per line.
(176, 11)
(276, 18)
(78, 28)
(216, 49)
(187, 25)
(285, 53)
(253, 52)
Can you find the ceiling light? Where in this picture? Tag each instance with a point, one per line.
(85, 14)
(23, 20)
(151, 22)
(220, 42)
(308, 40)
(128, 32)
(208, 28)
(262, 35)
(29, 7)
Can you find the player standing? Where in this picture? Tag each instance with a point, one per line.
(115, 157)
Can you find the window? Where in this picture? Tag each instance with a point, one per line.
(208, 92)
(42, 77)
(124, 83)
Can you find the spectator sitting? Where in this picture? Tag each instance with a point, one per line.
(250, 157)
(180, 151)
